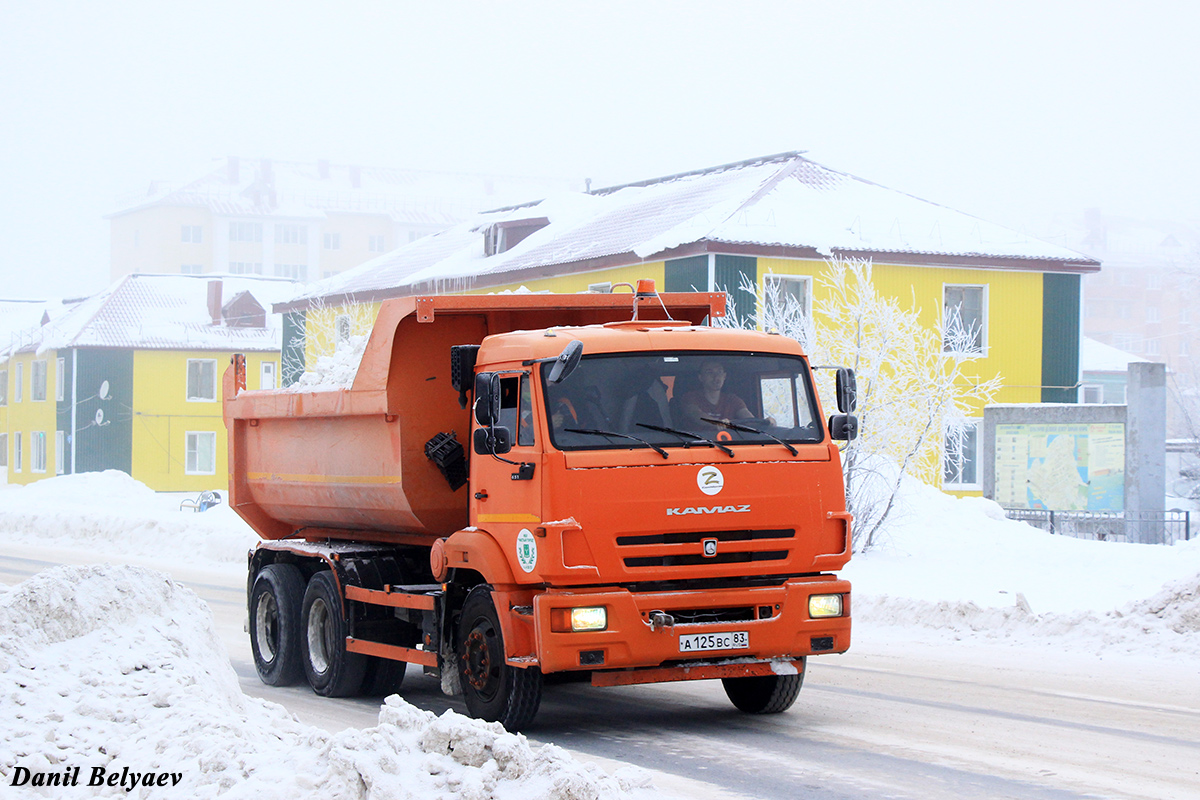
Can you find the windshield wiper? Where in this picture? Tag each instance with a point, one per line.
(693, 436)
(747, 429)
(593, 432)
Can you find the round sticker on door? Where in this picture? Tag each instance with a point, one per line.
(526, 550)
(710, 480)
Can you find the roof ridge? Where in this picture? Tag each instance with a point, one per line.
(749, 162)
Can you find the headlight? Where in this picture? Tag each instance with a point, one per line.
(573, 620)
(824, 605)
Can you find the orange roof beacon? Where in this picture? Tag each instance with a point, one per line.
(635, 496)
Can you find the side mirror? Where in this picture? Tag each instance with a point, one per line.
(487, 398)
(492, 441)
(566, 362)
(843, 427)
(847, 390)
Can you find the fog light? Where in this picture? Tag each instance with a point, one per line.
(589, 619)
(825, 605)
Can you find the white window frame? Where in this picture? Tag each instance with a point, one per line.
(3, 388)
(188, 395)
(600, 288)
(333, 241)
(60, 452)
(17, 454)
(60, 379)
(288, 233)
(805, 296)
(342, 329)
(191, 450)
(377, 243)
(191, 269)
(1092, 387)
(265, 369)
(19, 383)
(37, 452)
(245, 231)
(960, 485)
(38, 374)
(982, 350)
(4, 451)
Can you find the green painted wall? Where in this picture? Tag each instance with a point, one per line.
(107, 442)
(1060, 337)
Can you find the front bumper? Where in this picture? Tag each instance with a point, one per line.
(778, 625)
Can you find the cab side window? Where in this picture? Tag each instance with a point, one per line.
(516, 409)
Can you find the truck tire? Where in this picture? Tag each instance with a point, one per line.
(275, 599)
(494, 691)
(382, 677)
(765, 694)
(331, 670)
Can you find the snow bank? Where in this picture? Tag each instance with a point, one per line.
(111, 513)
(119, 669)
(959, 566)
(336, 371)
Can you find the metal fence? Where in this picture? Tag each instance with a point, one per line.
(1145, 527)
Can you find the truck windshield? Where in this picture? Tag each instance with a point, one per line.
(683, 399)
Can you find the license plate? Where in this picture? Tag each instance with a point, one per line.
(730, 640)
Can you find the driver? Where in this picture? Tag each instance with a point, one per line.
(710, 400)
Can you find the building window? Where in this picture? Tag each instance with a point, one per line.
(202, 379)
(245, 231)
(1124, 310)
(17, 454)
(291, 234)
(333, 241)
(1093, 393)
(413, 236)
(60, 452)
(19, 383)
(267, 375)
(1152, 314)
(341, 328)
(328, 273)
(191, 233)
(191, 269)
(789, 291)
(965, 318)
(961, 459)
(1114, 393)
(245, 268)
(1152, 347)
(1153, 281)
(37, 453)
(200, 454)
(3, 387)
(600, 288)
(297, 272)
(1183, 348)
(376, 244)
(4, 452)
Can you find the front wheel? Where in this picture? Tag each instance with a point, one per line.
(764, 694)
(493, 690)
(331, 670)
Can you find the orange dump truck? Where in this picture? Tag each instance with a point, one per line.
(636, 497)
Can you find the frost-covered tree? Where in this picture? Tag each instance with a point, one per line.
(916, 386)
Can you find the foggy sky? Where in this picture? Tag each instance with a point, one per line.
(1003, 110)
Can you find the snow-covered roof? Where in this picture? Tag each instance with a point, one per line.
(782, 205)
(1100, 357)
(298, 190)
(162, 312)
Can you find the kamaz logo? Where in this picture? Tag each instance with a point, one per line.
(678, 512)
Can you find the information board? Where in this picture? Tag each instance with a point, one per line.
(1061, 467)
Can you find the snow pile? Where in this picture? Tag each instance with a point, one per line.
(125, 666)
(959, 566)
(111, 513)
(336, 371)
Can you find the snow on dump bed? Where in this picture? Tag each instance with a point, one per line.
(118, 671)
(113, 514)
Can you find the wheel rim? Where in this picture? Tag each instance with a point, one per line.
(266, 627)
(319, 635)
(481, 662)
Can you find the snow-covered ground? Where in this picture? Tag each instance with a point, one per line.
(118, 666)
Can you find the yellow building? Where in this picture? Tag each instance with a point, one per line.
(772, 220)
(297, 220)
(131, 380)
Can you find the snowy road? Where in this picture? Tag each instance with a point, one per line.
(894, 718)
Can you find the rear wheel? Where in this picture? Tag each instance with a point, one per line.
(764, 694)
(331, 670)
(275, 604)
(493, 690)
(382, 677)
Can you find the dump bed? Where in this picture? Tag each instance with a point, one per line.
(350, 463)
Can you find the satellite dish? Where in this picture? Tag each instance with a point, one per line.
(104, 391)
(99, 416)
